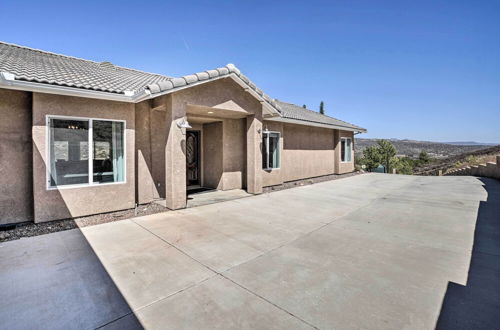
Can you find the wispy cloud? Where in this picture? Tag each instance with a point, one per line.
(185, 43)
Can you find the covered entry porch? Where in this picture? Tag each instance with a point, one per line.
(198, 145)
(207, 135)
(216, 148)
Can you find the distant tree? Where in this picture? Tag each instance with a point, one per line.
(386, 151)
(423, 157)
(304, 106)
(403, 165)
(371, 158)
(322, 108)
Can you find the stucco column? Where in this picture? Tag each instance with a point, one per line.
(336, 145)
(254, 155)
(175, 155)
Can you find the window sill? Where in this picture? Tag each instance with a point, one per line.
(85, 185)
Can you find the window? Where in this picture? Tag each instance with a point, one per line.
(270, 150)
(345, 150)
(73, 162)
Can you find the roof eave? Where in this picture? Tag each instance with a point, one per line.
(8, 81)
(315, 124)
(268, 108)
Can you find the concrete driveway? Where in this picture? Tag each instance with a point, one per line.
(365, 252)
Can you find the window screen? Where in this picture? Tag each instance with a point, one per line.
(345, 150)
(270, 150)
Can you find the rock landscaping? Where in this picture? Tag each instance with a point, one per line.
(28, 229)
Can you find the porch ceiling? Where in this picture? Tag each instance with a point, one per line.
(202, 120)
(215, 113)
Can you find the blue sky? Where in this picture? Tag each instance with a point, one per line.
(425, 70)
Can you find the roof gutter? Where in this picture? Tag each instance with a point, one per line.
(311, 123)
(7, 80)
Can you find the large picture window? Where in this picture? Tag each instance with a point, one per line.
(346, 150)
(270, 150)
(85, 151)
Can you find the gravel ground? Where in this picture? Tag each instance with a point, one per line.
(35, 229)
(292, 184)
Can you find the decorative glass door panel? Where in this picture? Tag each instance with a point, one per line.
(193, 158)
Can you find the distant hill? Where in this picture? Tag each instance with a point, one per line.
(412, 148)
(471, 143)
(481, 156)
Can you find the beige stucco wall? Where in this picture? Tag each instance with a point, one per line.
(224, 154)
(224, 93)
(234, 154)
(212, 150)
(158, 135)
(343, 167)
(146, 188)
(306, 152)
(16, 187)
(73, 202)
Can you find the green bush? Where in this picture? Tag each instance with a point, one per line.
(472, 160)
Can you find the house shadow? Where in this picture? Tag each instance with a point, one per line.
(477, 304)
(57, 281)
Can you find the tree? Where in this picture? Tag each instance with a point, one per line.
(402, 165)
(423, 157)
(386, 151)
(322, 108)
(371, 157)
(304, 106)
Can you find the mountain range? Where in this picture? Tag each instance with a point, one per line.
(471, 143)
(412, 148)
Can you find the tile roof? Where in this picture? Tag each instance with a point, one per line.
(173, 83)
(292, 111)
(44, 67)
(33, 65)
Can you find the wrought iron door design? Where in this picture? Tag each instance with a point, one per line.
(193, 158)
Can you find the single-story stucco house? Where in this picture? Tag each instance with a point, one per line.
(79, 137)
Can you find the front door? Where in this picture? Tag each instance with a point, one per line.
(193, 158)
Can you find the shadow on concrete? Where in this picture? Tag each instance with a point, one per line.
(477, 304)
(56, 281)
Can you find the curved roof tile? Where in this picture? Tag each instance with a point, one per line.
(44, 67)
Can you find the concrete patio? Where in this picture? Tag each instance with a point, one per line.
(211, 197)
(370, 251)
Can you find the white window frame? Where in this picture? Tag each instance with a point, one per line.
(267, 150)
(352, 150)
(91, 182)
